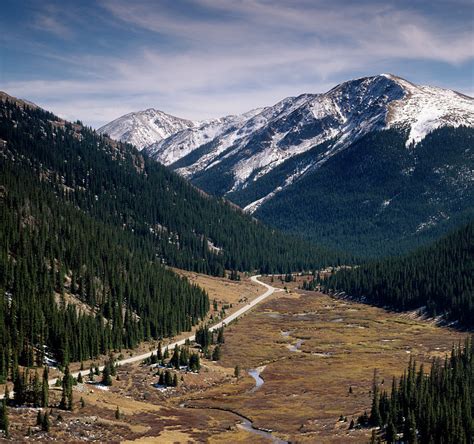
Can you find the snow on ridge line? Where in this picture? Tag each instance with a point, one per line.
(254, 143)
(427, 108)
(145, 127)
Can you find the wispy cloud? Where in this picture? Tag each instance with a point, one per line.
(201, 58)
(49, 19)
(370, 27)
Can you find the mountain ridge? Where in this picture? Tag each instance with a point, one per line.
(144, 127)
(280, 156)
(270, 135)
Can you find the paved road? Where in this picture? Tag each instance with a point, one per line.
(270, 290)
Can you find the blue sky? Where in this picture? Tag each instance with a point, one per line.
(96, 60)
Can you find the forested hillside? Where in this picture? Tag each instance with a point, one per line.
(433, 408)
(377, 197)
(117, 185)
(53, 254)
(439, 277)
(86, 226)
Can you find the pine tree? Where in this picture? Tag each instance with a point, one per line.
(375, 419)
(195, 362)
(19, 388)
(220, 336)
(106, 374)
(4, 423)
(45, 388)
(168, 378)
(217, 353)
(175, 358)
(37, 390)
(66, 396)
(184, 356)
(159, 352)
(45, 424)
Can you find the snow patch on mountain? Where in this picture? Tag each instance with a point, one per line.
(251, 145)
(144, 128)
(177, 146)
(426, 108)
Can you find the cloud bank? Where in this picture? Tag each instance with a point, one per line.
(202, 58)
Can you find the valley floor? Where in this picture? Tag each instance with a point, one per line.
(309, 348)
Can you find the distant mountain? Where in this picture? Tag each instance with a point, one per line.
(144, 127)
(260, 161)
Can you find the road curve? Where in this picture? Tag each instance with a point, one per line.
(270, 290)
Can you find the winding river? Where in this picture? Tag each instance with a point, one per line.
(255, 374)
(245, 423)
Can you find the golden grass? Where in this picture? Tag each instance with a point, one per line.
(304, 392)
(223, 289)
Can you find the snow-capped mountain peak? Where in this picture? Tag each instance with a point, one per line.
(246, 148)
(143, 128)
(426, 108)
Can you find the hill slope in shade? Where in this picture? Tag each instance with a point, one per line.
(87, 225)
(377, 197)
(438, 278)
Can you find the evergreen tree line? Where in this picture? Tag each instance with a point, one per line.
(434, 408)
(49, 251)
(371, 198)
(114, 183)
(439, 277)
(182, 357)
(167, 378)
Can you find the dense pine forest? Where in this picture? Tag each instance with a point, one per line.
(116, 184)
(439, 277)
(434, 408)
(375, 198)
(86, 227)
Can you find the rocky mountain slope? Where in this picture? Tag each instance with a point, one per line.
(145, 127)
(255, 143)
(255, 157)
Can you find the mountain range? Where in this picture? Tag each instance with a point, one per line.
(376, 164)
